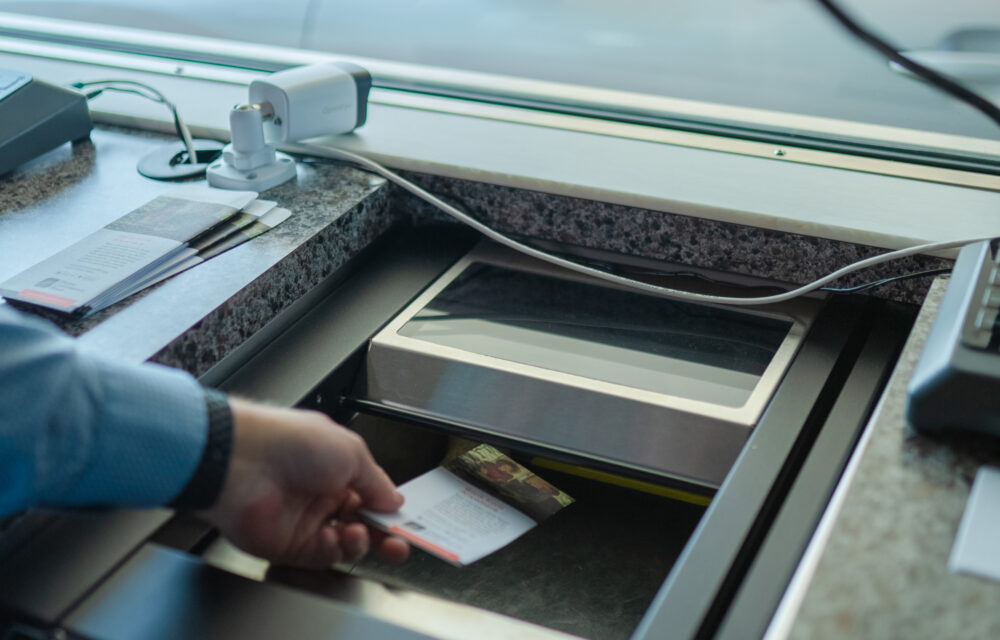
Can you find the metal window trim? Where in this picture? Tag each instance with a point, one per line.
(895, 151)
(577, 157)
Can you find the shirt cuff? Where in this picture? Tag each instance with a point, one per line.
(205, 485)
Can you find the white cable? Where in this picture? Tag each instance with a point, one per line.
(113, 85)
(186, 135)
(610, 277)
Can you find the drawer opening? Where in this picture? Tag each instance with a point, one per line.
(618, 563)
(591, 570)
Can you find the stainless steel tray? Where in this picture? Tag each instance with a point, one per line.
(518, 349)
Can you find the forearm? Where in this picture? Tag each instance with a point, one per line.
(79, 429)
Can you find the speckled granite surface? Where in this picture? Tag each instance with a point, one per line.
(664, 236)
(193, 320)
(883, 573)
(337, 212)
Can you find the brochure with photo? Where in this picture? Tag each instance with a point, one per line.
(236, 236)
(177, 230)
(471, 506)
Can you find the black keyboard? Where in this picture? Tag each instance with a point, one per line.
(956, 384)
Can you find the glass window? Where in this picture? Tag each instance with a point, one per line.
(784, 56)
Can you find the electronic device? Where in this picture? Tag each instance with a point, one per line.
(36, 117)
(515, 350)
(297, 104)
(956, 383)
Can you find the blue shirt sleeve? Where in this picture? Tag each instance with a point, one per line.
(80, 429)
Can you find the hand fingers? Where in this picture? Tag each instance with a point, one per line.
(350, 542)
(320, 552)
(393, 549)
(354, 541)
(334, 542)
(372, 483)
(390, 548)
(349, 508)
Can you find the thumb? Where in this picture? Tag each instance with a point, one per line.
(377, 491)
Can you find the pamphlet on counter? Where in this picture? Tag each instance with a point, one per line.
(175, 231)
(471, 506)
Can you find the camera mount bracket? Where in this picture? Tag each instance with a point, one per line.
(248, 162)
(295, 104)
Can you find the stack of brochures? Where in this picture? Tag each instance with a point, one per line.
(173, 232)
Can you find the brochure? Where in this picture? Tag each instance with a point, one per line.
(236, 236)
(175, 231)
(471, 506)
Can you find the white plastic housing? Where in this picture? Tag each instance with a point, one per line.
(225, 176)
(248, 149)
(310, 101)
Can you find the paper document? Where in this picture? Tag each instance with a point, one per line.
(272, 218)
(448, 515)
(173, 232)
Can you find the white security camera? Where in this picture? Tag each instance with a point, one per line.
(300, 103)
(320, 99)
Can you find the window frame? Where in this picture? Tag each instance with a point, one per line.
(517, 142)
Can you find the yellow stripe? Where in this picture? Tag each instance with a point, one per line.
(628, 483)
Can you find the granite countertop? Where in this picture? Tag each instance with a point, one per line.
(883, 572)
(195, 319)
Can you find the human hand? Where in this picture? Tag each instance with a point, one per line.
(294, 483)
